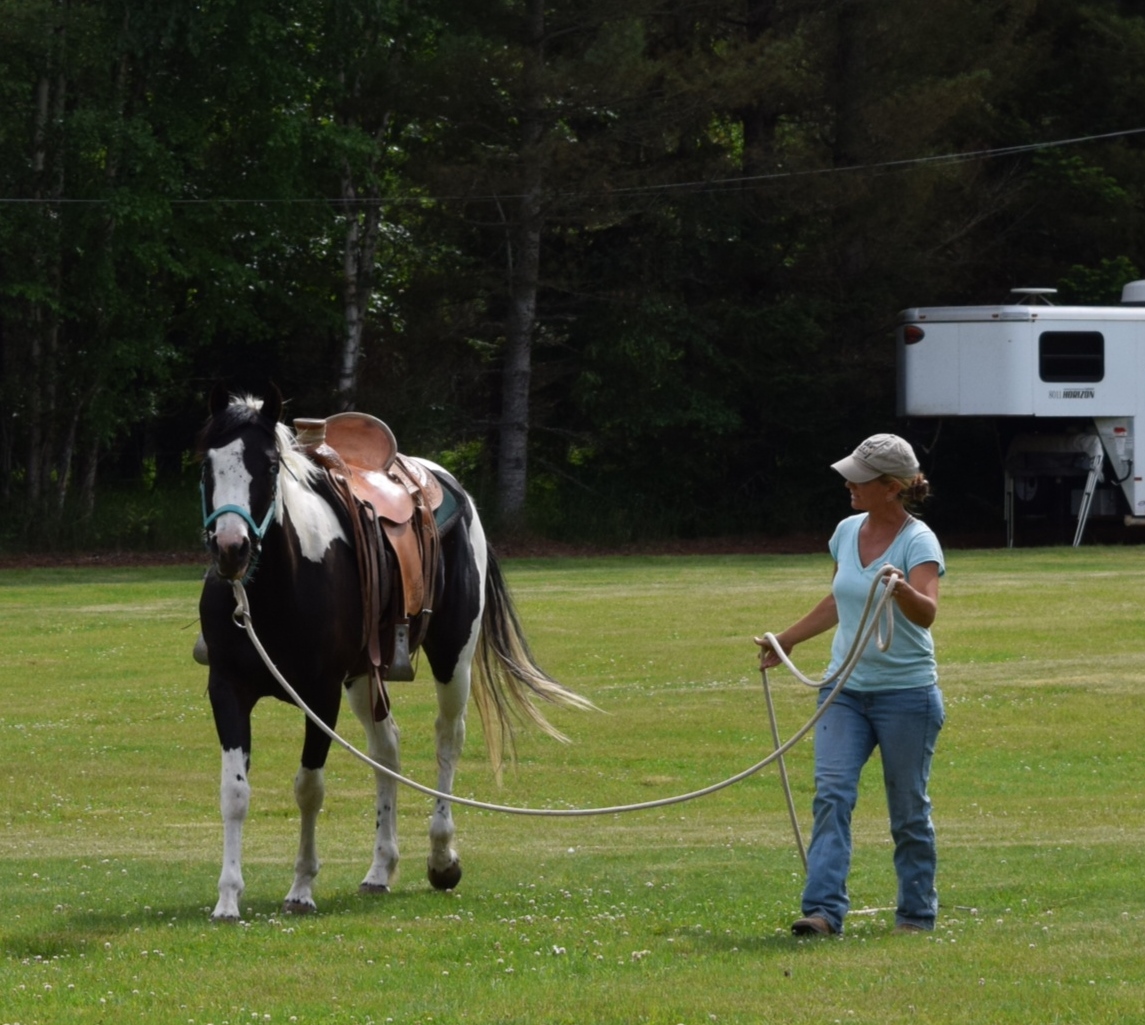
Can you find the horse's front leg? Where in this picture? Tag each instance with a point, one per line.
(232, 724)
(444, 866)
(309, 792)
(234, 803)
(382, 745)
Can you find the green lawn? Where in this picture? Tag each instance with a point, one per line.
(109, 853)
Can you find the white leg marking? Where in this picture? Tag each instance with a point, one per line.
(444, 865)
(449, 732)
(309, 792)
(382, 745)
(234, 802)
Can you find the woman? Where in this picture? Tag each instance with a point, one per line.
(891, 700)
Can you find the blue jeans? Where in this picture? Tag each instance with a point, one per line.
(904, 725)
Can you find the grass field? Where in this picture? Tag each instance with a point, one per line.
(109, 853)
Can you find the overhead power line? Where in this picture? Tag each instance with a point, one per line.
(708, 185)
(892, 165)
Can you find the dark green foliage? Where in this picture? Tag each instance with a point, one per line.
(733, 199)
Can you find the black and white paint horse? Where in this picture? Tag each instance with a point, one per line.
(273, 522)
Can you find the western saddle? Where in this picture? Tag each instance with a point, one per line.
(384, 493)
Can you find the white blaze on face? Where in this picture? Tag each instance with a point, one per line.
(232, 487)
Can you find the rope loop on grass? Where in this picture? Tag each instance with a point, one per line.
(878, 605)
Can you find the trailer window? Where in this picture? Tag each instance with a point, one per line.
(1071, 356)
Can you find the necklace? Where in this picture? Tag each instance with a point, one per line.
(876, 543)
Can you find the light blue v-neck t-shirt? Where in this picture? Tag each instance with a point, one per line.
(909, 662)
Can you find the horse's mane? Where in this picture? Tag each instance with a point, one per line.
(247, 409)
(240, 411)
(294, 460)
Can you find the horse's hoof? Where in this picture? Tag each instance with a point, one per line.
(298, 907)
(444, 878)
(373, 888)
(227, 910)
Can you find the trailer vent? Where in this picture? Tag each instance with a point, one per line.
(1071, 357)
(1133, 294)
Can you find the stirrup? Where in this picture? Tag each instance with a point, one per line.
(401, 669)
(199, 652)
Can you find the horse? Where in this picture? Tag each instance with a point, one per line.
(273, 521)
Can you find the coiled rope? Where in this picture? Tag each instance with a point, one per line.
(878, 609)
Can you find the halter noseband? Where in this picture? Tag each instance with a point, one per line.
(258, 528)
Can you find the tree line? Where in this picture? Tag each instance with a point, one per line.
(630, 270)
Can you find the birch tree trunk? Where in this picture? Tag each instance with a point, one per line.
(359, 263)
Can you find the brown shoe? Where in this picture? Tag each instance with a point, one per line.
(812, 925)
(907, 929)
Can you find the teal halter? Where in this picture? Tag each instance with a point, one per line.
(258, 528)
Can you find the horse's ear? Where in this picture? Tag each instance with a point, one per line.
(219, 400)
(272, 404)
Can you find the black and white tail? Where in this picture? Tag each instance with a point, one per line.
(506, 676)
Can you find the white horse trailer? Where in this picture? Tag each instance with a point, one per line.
(1077, 371)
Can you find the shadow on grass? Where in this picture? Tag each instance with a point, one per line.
(781, 940)
(76, 931)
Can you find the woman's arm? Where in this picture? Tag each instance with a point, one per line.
(917, 594)
(820, 619)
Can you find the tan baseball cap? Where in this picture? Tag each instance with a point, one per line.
(879, 454)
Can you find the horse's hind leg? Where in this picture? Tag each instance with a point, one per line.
(309, 792)
(444, 865)
(382, 746)
(450, 644)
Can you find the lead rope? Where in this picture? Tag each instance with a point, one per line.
(868, 626)
(881, 608)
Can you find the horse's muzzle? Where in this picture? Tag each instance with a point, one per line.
(230, 549)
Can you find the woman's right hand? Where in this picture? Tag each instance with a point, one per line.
(768, 656)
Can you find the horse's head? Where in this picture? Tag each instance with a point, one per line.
(240, 456)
